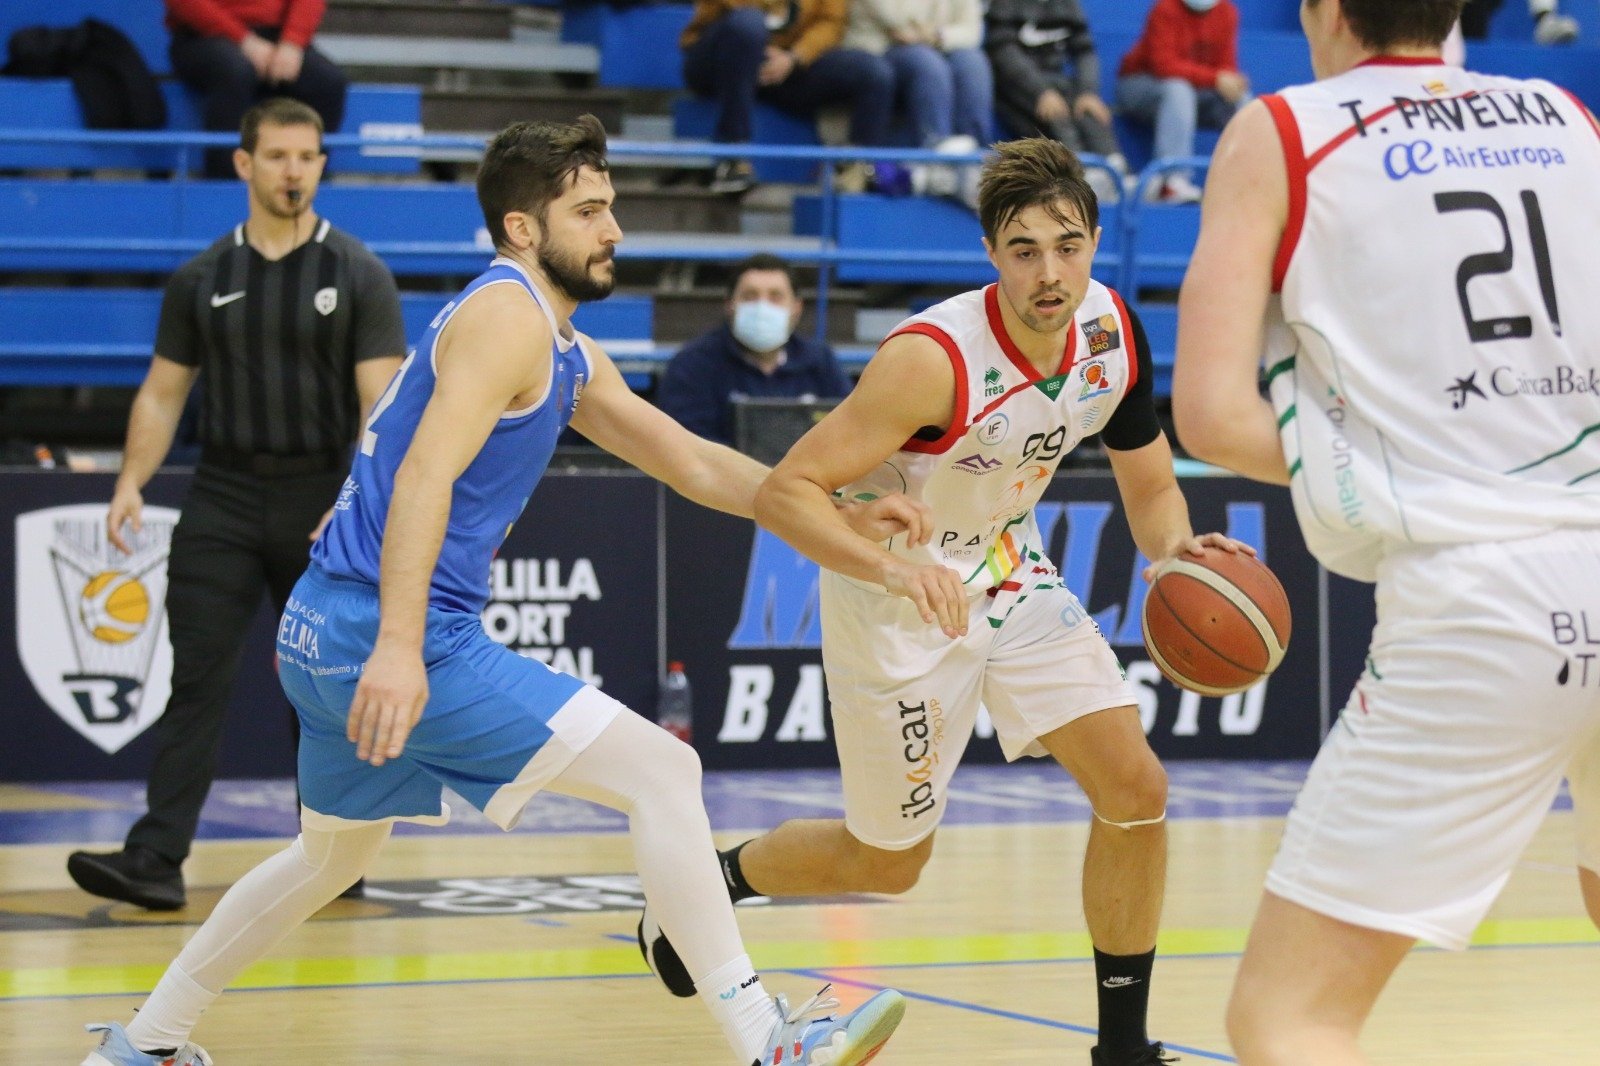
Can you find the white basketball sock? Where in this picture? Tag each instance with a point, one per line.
(747, 1014)
(170, 1014)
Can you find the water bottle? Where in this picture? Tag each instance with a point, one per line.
(674, 710)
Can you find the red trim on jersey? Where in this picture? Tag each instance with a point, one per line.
(1297, 168)
(958, 415)
(1582, 109)
(1338, 142)
(1402, 61)
(997, 326)
(1127, 334)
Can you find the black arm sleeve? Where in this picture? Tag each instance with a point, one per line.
(176, 336)
(1134, 423)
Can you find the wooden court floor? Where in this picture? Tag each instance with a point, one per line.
(481, 948)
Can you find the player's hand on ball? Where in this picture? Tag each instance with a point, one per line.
(389, 700)
(890, 516)
(1196, 546)
(935, 589)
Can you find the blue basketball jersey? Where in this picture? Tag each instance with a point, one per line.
(488, 496)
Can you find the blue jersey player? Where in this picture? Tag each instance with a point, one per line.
(399, 690)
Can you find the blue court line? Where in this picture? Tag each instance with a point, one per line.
(1014, 1016)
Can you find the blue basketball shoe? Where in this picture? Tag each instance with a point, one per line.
(810, 1037)
(117, 1050)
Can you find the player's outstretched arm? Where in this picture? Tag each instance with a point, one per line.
(495, 349)
(617, 419)
(1216, 400)
(908, 385)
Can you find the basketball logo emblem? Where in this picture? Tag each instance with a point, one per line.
(114, 607)
(94, 640)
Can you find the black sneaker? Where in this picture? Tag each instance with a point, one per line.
(733, 176)
(134, 875)
(1154, 1055)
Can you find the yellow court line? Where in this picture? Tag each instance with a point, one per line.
(348, 971)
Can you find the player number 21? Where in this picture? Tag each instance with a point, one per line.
(1511, 327)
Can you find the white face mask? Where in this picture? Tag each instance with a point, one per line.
(1200, 6)
(761, 326)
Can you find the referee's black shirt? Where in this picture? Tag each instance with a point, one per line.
(277, 341)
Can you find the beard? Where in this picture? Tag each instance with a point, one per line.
(572, 275)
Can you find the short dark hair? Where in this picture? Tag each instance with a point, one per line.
(1032, 172)
(276, 111)
(761, 261)
(529, 164)
(1381, 24)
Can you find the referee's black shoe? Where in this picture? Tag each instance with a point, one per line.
(134, 875)
(1153, 1055)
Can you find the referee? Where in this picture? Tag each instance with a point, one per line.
(295, 328)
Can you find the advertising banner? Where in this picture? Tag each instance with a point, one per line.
(743, 610)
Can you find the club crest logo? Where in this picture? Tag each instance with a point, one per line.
(326, 300)
(91, 621)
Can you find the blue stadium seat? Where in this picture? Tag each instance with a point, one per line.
(1161, 330)
(946, 232)
(105, 336)
(638, 45)
(49, 104)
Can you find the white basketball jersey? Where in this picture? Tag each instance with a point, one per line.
(1009, 430)
(1434, 351)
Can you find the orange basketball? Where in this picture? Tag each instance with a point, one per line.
(1216, 624)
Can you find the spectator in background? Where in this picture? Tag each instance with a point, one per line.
(785, 52)
(235, 53)
(1550, 26)
(1181, 73)
(297, 326)
(942, 78)
(1032, 44)
(755, 352)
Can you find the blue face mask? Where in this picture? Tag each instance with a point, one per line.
(761, 326)
(1200, 6)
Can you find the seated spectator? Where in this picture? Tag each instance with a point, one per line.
(236, 53)
(787, 53)
(942, 79)
(1550, 26)
(755, 352)
(1048, 79)
(1183, 71)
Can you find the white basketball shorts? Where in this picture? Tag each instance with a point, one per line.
(905, 697)
(1482, 690)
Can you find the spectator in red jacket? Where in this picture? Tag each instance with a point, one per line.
(236, 53)
(1183, 72)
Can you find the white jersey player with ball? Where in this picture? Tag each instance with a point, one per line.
(969, 408)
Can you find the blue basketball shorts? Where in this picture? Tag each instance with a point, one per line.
(497, 726)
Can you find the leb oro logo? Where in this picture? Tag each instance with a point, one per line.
(91, 631)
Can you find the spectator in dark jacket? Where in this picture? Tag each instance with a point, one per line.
(755, 352)
(1183, 72)
(1047, 78)
(236, 53)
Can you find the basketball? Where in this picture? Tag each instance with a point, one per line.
(1216, 624)
(114, 607)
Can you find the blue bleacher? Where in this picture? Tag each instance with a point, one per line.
(65, 225)
(54, 336)
(49, 103)
(144, 21)
(694, 119)
(638, 45)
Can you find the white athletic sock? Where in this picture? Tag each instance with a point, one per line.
(747, 1014)
(170, 1014)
